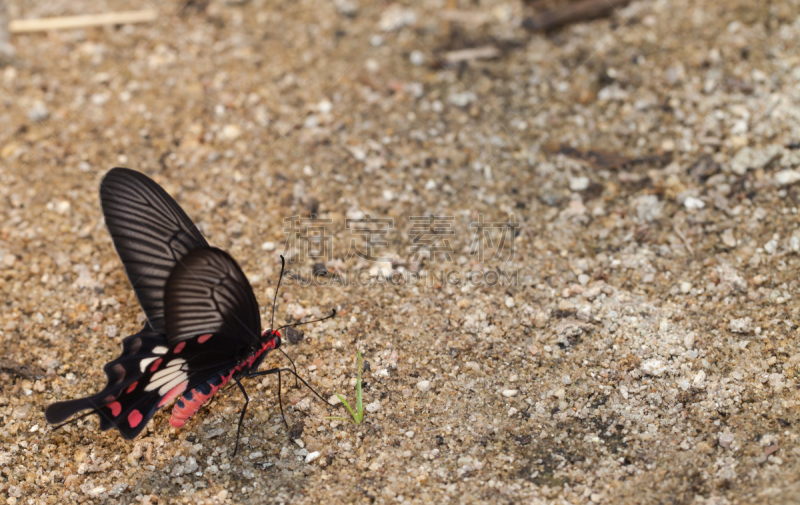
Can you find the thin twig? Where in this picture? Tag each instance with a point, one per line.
(572, 13)
(85, 21)
(686, 243)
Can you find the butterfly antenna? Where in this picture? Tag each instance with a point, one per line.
(296, 384)
(275, 298)
(333, 313)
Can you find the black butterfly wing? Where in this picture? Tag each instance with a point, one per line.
(207, 293)
(149, 374)
(151, 233)
(123, 372)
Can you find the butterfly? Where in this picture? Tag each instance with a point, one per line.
(202, 329)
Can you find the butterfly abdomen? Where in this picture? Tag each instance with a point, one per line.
(191, 401)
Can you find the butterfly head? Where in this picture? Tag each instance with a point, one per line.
(273, 337)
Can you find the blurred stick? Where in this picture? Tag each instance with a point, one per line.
(72, 22)
(572, 13)
(6, 49)
(474, 53)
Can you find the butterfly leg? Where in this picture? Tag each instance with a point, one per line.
(241, 417)
(297, 377)
(280, 402)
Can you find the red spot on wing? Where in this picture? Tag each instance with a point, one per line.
(132, 387)
(115, 407)
(202, 339)
(174, 393)
(134, 418)
(155, 365)
(179, 347)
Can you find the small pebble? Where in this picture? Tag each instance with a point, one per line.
(423, 385)
(311, 456)
(510, 302)
(725, 439)
(417, 58)
(578, 183)
(686, 287)
(38, 111)
(692, 203)
(508, 393)
(373, 407)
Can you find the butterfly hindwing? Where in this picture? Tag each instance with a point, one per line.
(208, 293)
(151, 233)
(122, 373)
(148, 375)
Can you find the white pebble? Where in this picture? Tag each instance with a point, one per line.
(410, 434)
(38, 111)
(268, 246)
(787, 177)
(256, 455)
(312, 456)
(230, 132)
(725, 439)
(699, 379)
(508, 393)
(578, 183)
(373, 407)
(654, 367)
(417, 58)
(686, 287)
(692, 203)
(512, 411)
(510, 302)
(423, 385)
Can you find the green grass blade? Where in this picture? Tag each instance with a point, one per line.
(359, 403)
(349, 409)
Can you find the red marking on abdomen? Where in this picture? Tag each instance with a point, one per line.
(202, 339)
(191, 402)
(179, 347)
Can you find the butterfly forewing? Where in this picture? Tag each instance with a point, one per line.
(151, 233)
(208, 293)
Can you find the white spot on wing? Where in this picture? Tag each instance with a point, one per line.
(143, 364)
(166, 388)
(171, 372)
(160, 350)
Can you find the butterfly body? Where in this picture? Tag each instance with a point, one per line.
(203, 324)
(191, 401)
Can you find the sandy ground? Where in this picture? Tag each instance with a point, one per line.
(641, 344)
